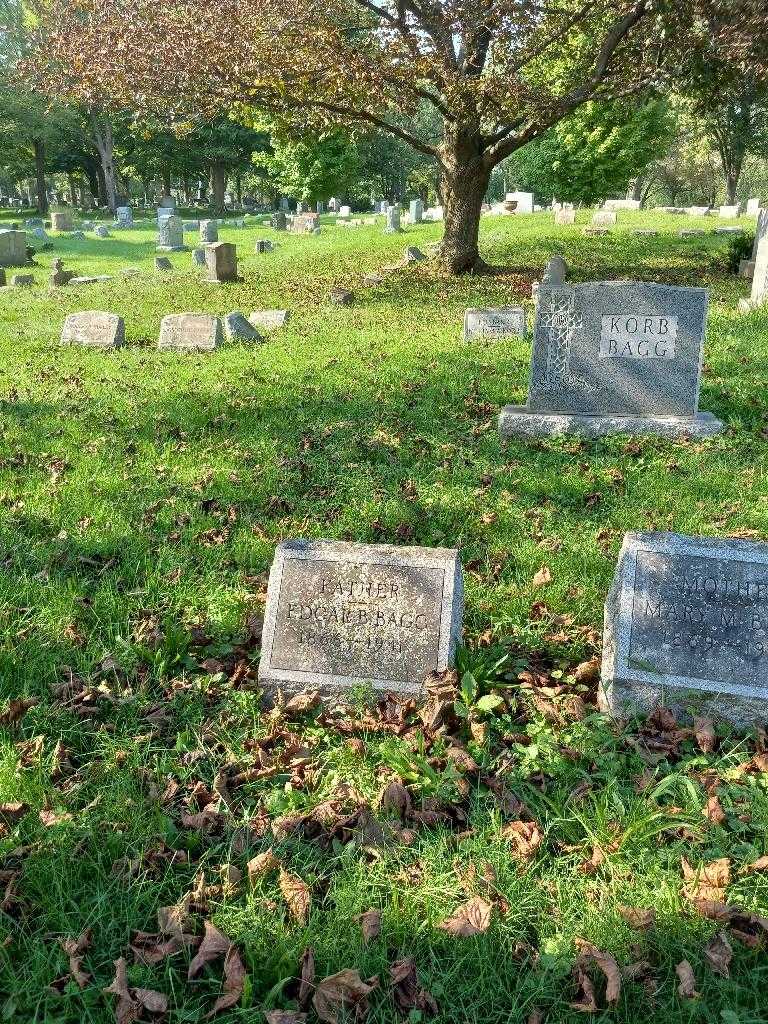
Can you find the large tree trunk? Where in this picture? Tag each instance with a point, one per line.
(218, 188)
(732, 175)
(166, 176)
(100, 195)
(41, 187)
(462, 190)
(102, 136)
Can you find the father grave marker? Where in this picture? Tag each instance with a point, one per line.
(94, 329)
(494, 324)
(686, 627)
(341, 615)
(190, 332)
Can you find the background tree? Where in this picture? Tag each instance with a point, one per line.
(595, 153)
(309, 169)
(498, 73)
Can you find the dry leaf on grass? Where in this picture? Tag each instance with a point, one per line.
(214, 945)
(585, 1001)
(542, 577)
(718, 953)
(296, 895)
(687, 986)
(396, 798)
(370, 924)
(707, 882)
(13, 812)
(471, 918)
(75, 948)
(704, 731)
(344, 992)
(284, 1017)
(306, 978)
(536, 1016)
(234, 980)
(761, 864)
(131, 1001)
(406, 990)
(713, 810)
(639, 917)
(262, 864)
(526, 836)
(607, 964)
(16, 710)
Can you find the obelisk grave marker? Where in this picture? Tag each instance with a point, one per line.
(615, 357)
(341, 615)
(686, 626)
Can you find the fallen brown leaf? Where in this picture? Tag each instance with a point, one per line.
(607, 965)
(639, 917)
(526, 835)
(704, 731)
(687, 986)
(131, 1001)
(344, 991)
(471, 918)
(542, 577)
(718, 953)
(214, 945)
(306, 978)
(296, 894)
(13, 812)
(370, 924)
(74, 948)
(262, 864)
(585, 1001)
(284, 1017)
(713, 810)
(234, 980)
(708, 882)
(761, 864)
(406, 990)
(396, 798)
(17, 708)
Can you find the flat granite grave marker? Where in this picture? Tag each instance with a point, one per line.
(190, 332)
(341, 615)
(686, 627)
(494, 324)
(238, 328)
(615, 357)
(94, 329)
(269, 319)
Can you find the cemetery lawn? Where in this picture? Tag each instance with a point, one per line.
(141, 498)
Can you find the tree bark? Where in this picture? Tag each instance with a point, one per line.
(218, 188)
(464, 180)
(102, 136)
(42, 190)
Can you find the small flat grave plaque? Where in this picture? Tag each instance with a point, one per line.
(340, 615)
(686, 626)
(190, 332)
(494, 324)
(269, 319)
(94, 330)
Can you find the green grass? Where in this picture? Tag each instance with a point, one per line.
(142, 495)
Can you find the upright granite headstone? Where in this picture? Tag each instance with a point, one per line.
(170, 234)
(123, 217)
(759, 294)
(393, 220)
(13, 249)
(345, 211)
(62, 221)
(278, 221)
(753, 207)
(416, 211)
(221, 260)
(565, 217)
(209, 231)
(94, 329)
(342, 615)
(190, 332)
(494, 324)
(686, 627)
(615, 357)
(730, 211)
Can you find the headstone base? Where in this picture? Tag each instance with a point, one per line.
(520, 421)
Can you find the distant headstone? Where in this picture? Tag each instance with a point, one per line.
(62, 221)
(345, 211)
(414, 255)
(697, 211)
(263, 245)
(759, 294)
(123, 217)
(563, 218)
(753, 207)
(278, 221)
(167, 203)
(524, 201)
(191, 225)
(285, 204)
(686, 628)
(691, 233)
(94, 330)
(163, 263)
(209, 231)
(170, 234)
(3, 281)
(342, 297)
(615, 357)
(645, 232)
(237, 328)
(60, 276)
(621, 204)
(494, 324)
(731, 230)
(190, 332)
(221, 260)
(344, 615)
(730, 211)
(13, 249)
(555, 273)
(416, 211)
(39, 234)
(305, 223)
(269, 319)
(333, 205)
(78, 235)
(393, 220)
(198, 257)
(320, 207)
(603, 219)
(22, 280)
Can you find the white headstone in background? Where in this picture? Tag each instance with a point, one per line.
(753, 207)
(524, 201)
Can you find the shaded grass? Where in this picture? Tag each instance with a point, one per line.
(141, 497)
